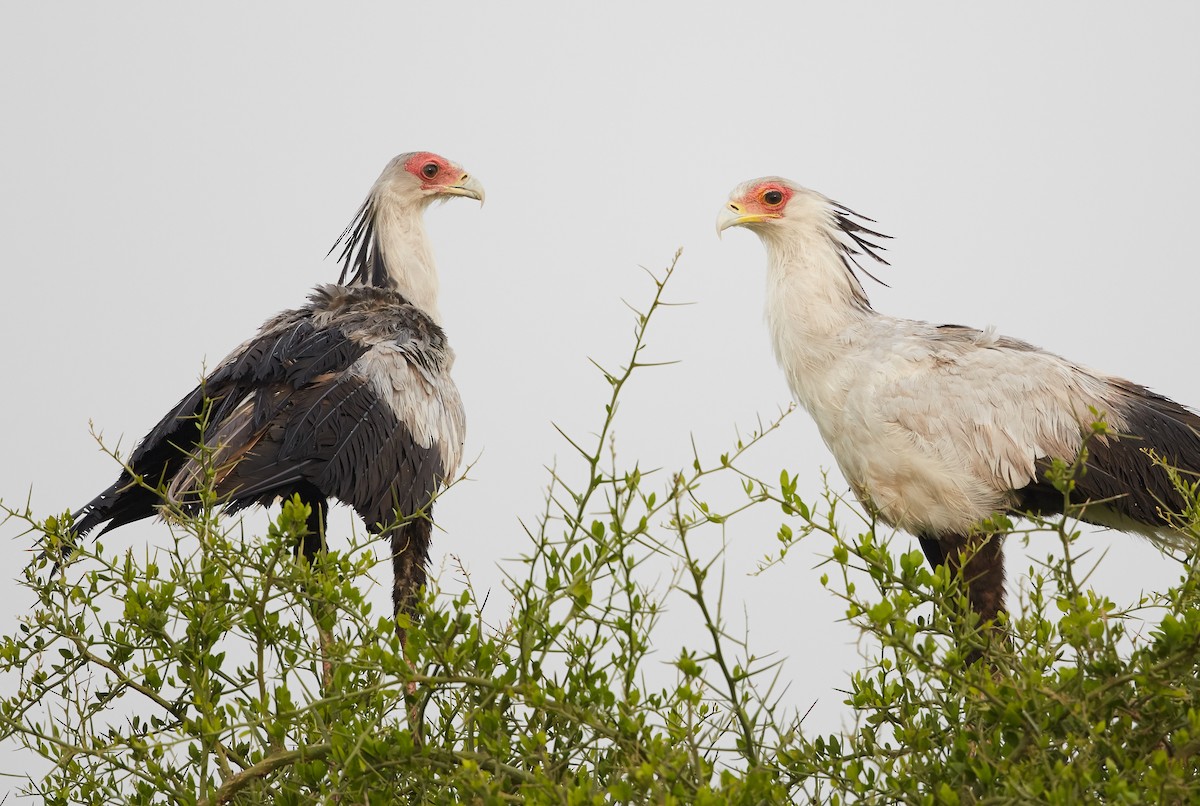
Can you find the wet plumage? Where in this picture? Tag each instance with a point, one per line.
(348, 397)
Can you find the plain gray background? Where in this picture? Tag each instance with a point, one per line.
(171, 176)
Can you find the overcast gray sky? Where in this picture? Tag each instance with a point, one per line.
(171, 175)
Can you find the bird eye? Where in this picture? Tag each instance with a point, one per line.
(429, 170)
(772, 197)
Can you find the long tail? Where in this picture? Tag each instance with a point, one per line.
(83, 520)
(116, 506)
(94, 512)
(1124, 483)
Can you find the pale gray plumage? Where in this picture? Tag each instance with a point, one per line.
(939, 427)
(348, 397)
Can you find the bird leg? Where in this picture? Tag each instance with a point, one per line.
(980, 559)
(313, 542)
(312, 547)
(933, 552)
(410, 552)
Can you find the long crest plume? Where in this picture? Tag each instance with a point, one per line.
(361, 258)
(848, 222)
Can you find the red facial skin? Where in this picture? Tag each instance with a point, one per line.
(447, 173)
(755, 201)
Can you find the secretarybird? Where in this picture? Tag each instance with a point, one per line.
(937, 427)
(347, 397)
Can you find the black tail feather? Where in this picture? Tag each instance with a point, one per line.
(1124, 474)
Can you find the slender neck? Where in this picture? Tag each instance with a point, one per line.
(408, 262)
(813, 305)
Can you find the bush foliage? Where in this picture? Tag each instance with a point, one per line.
(195, 676)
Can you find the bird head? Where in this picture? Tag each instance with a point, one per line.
(791, 218)
(771, 204)
(389, 221)
(421, 177)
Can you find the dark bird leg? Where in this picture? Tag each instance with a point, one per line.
(980, 558)
(410, 554)
(312, 546)
(313, 541)
(982, 571)
(933, 552)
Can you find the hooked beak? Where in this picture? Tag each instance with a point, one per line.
(734, 216)
(468, 186)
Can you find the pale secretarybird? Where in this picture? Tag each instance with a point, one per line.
(348, 397)
(937, 427)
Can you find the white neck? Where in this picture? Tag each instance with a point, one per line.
(813, 304)
(407, 256)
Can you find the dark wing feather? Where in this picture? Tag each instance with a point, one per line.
(296, 410)
(288, 349)
(338, 435)
(1122, 472)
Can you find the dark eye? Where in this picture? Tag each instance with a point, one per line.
(429, 170)
(772, 197)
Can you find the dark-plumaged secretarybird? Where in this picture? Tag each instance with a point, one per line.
(348, 397)
(938, 427)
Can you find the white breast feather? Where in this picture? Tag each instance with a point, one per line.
(911, 420)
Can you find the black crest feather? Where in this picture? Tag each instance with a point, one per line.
(845, 218)
(361, 259)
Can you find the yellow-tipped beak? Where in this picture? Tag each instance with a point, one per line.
(468, 186)
(733, 216)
